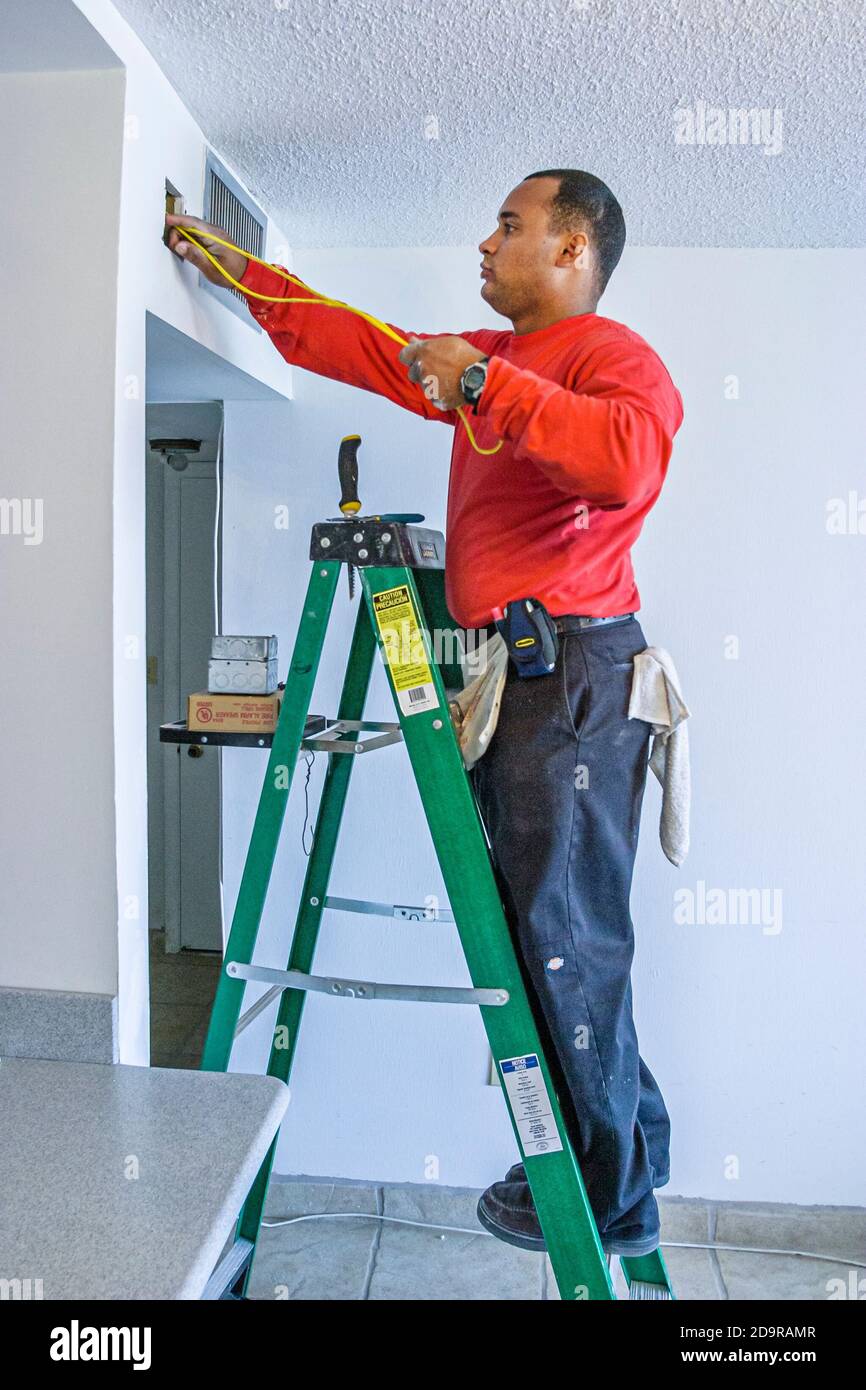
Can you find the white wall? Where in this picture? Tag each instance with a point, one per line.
(162, 141)
(82, 213)
(58, 912)
(753, 1034)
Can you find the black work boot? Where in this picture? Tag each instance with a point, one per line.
(507, 1211)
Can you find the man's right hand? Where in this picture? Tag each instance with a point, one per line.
(233, 261)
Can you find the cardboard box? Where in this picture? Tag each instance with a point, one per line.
(233, 714)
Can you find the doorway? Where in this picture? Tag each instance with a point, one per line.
(184, 611)
(183, 523)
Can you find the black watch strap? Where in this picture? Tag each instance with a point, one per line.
(473, 403)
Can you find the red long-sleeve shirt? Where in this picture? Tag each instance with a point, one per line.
(588, 413)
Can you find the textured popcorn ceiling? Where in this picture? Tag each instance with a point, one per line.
(405, 122)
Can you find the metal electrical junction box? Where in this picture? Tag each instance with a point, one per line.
(244, 648)
(242, 665)
(241, 677)
(372, 540)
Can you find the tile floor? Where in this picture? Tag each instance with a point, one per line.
(362, 1259)
(182, 987)
(356, 1258)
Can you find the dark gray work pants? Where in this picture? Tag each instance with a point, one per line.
(560, 791)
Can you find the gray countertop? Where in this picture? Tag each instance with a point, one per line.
(125, 1182)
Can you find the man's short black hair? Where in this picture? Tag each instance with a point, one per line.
(584, 203)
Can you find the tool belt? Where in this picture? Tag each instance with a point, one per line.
(532, 635)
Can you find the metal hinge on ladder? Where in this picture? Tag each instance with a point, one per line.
(332, 739)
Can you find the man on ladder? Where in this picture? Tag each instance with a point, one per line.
(585, 414)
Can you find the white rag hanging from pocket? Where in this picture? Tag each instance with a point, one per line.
(474, 710)
(657, 699)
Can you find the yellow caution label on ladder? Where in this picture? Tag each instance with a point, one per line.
(404, 651)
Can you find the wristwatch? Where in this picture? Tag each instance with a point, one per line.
(472, 381)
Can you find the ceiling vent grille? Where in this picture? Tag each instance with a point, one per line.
(228, 206)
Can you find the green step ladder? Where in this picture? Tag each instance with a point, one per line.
(403, 613)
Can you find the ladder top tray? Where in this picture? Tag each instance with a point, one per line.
(179, 733)
(368, 540)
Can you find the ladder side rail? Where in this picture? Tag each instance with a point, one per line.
(288, 1020)
(452, 814)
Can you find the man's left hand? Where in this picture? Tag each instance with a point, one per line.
(437, 364)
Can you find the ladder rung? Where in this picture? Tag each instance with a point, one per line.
(405, 911)
(364, 989)
(229, 1269)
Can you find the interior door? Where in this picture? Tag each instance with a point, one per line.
(192, 788)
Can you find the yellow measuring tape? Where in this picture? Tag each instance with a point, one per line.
(192, 234)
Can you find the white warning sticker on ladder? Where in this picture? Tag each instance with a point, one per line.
(418, 698)
(530, 1105)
